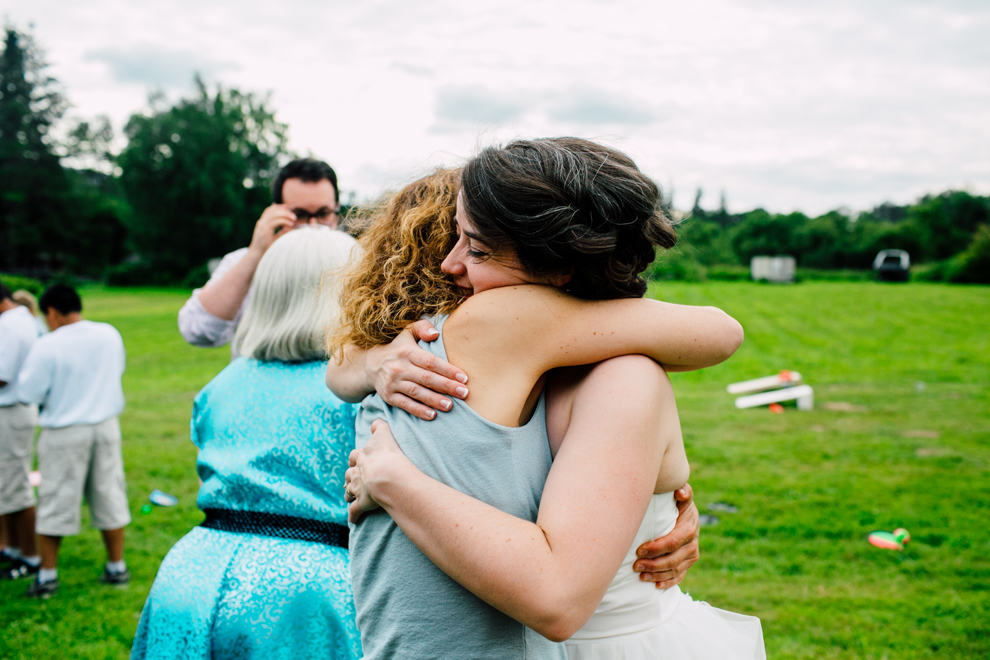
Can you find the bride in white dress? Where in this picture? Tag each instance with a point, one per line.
(636, 621)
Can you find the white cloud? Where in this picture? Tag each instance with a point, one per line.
(473, 104)
(788, 105)
(156, 66)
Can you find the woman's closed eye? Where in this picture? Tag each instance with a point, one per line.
(478, 254)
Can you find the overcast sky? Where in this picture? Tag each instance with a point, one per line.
(785, 105)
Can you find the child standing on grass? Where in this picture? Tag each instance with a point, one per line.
(74, 373)
(19, 557)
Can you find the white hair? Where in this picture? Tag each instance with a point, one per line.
(294, 297)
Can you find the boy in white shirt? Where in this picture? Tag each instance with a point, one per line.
(17, 421)
(74, 373)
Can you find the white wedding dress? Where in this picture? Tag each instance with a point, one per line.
(637, 621)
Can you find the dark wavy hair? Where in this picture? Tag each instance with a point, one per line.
(569, 206)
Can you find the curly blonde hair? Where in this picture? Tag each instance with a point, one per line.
(397, 280)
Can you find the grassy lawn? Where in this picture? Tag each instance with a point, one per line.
(900, 436)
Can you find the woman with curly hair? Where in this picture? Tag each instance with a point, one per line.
(398, 280)
(466, 541)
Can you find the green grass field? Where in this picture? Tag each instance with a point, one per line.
(900, 436)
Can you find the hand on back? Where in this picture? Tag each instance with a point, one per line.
(666, 560)
(376, 457)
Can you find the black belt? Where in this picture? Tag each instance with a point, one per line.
(277, 525)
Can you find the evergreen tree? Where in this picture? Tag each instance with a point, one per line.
(33, 187)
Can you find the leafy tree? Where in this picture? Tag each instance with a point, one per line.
(868, 237)
(972, 265)
(946, 223)
(706, 240)
(90, 143)
(696, 210)
(885, 212)
(823, 242)
(760, 233)
(97, 232)
(33, 187)
(197, 175)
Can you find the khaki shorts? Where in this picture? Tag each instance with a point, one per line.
(16, 439)
(77, 460)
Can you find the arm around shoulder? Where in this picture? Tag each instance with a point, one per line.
(403, 374)
(553, 329)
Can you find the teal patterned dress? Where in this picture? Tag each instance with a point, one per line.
(272, 439)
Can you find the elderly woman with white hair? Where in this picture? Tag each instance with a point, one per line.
(266, 574)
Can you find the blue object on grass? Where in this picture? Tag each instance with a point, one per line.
(162, 499)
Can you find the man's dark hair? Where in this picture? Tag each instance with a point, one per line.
(308, 170)
(4, 292)
(61, 297)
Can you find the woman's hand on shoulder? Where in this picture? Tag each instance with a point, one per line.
(410, 378)
(401, 372)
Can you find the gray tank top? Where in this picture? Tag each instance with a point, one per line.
(407, 608)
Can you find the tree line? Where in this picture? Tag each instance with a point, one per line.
(947, 234)
(187, 185)
(189, 178)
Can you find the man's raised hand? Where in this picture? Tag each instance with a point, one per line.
(274, 222)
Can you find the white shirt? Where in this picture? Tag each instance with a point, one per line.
(200, 328)
(18, 333)
(42, 327)
(74, 373)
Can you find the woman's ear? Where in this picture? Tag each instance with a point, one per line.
(562, 279)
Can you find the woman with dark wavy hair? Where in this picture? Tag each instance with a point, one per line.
(466, 542)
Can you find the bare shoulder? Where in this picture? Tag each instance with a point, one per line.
(508, 310)
(628, 373)
(628, 384)
(509, 301)
(628, 402)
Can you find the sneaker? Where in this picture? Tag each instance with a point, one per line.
(19, 570)
(42, 589)
(121, 578)
(7, 561)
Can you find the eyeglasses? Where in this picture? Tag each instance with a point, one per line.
(322, 215)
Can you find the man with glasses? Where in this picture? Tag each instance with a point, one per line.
(304, 192)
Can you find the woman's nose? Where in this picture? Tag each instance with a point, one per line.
(452, 265)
